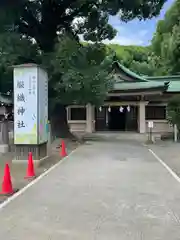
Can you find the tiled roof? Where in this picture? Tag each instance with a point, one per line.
(137, 82)
(163, 78)
(145, 82)
(174, 82)
(130, 73)
(174, 86)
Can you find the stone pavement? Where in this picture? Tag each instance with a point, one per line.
(103, 191)
(169, 152)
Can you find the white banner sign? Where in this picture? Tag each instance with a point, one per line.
(30, 103)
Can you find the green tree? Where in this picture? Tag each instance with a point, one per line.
(79, 75)
(14, 49)
(166, 40)
(139, 59)
(172, 50)
(122, 55)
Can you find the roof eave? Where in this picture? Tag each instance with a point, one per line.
(161, 88)
(130, 73)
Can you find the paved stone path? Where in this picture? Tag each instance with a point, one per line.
(169, 152)
(104, 191)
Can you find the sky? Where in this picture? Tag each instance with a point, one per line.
(136, 32)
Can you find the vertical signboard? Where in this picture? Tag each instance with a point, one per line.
(30, 110)
(25, 105)
(42, 106)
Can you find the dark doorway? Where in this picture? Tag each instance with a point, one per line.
(117, 119)
(101, 119)
(112, 119)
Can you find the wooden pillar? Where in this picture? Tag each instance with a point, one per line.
(142, 119)
(89, 118)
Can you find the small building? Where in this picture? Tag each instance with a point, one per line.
(133, 101)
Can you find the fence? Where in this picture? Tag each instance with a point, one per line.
(10, 129)
(10, 126)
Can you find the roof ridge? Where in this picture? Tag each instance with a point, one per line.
(130, 73)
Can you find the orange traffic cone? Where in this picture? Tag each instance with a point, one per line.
(63, 149)
(30, 168)
(7, 183)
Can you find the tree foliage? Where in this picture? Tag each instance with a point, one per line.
(14, 50)
(45, 22)
(36, 18)
(166, 40)
(139, 59)
(79, 74)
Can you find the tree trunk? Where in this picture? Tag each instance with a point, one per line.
(59, 123)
